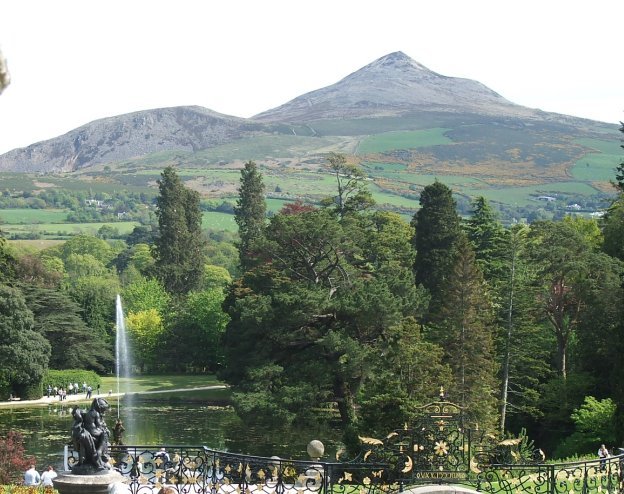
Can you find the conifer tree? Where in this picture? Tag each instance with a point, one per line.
(179, 248)
(486, 235)
(437, 228)
(465, 331)
(523, 347)
(250, 212)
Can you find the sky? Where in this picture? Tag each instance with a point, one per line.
(75, 61)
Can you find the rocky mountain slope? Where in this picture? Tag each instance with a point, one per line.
(392, 93)
(394, 85)
(131, 135)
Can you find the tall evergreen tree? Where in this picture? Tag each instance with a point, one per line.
(250, 212)
(437, 228)
(179, 247)
(308, 318)
(522, 346)
(465, 331)
(486, 235)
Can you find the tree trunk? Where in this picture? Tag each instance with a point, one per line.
(345, 401)
(507, 355)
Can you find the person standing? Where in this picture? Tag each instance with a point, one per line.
(48, 476)
(603, 454)
(31, 476)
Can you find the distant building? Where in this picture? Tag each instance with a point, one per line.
(94, 202)
(574, 207)
(546, 198)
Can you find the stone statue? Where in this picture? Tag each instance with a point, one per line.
(118, 431)
(90, 438)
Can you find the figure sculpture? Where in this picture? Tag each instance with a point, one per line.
(90, 438)
(118, 431)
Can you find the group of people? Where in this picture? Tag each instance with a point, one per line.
(72, 389)
(32, 477)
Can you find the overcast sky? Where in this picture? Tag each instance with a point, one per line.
(74, 61)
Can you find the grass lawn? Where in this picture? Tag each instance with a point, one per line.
(168, 387)
(143, 384)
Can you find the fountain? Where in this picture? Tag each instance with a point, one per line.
(90, 434)
(122, 351)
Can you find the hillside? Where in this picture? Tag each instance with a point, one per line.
(131, 135)
(403, 123)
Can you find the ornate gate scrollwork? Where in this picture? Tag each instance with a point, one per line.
(436, 448)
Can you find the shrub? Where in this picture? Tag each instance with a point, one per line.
(13, 463)
(61, 378)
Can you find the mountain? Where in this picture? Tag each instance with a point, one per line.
(184, 128)
(394, 85)
(393, 93)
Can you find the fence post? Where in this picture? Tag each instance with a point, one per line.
(551, 479)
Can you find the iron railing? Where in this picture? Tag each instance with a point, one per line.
(192, 469)
(202, 470)
(581, 477)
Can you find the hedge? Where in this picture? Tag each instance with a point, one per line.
(62, 378)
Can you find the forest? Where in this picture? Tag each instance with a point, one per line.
(340, 311)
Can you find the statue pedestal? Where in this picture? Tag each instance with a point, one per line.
(70, 483)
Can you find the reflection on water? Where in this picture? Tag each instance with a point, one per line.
(46, 430)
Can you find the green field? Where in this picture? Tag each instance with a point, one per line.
(522, 196)
(31, 216)
(599, 164)
(67, 229)
(215, 220)
(390, 141)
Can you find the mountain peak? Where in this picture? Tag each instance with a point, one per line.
(393, 85)
(396, 60)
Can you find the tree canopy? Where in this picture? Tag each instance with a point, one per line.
(179, 247)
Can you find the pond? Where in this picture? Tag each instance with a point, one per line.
(46, 430)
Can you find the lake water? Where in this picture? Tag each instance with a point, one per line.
(46, 430)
